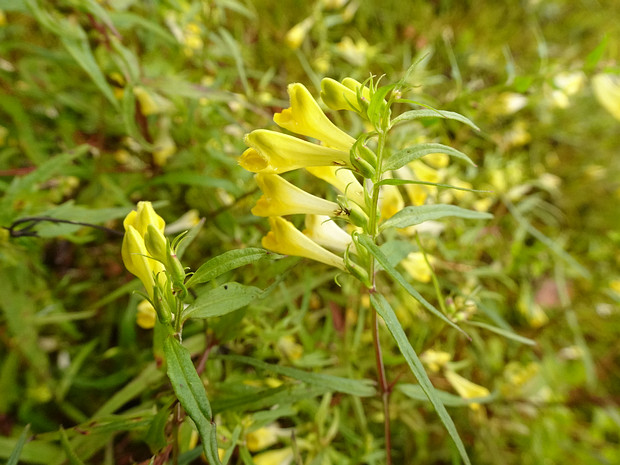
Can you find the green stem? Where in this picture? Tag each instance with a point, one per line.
(373, 230)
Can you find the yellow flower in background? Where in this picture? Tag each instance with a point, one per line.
(290, 347)
(342, 179)
(391, 202)
(296, 35)
(274, 152)
(134, 251)
(416, 266)
(274, 457)
(186, 221)
(286, 239)
(328, 234)
(607, 90)
(466, 389)
(146, 315)
(435, 360)
(305, 117)
(262, 438)
(280, 198)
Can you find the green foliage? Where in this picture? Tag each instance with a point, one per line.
(103, 104)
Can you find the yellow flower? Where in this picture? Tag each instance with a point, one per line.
(146, 316)
(296, 35)
(342, 179)
(607, 90)
(416, 266)
(273, 152)
(465, 388)
(262, 438)
(342, 96)
(326, 233)
(134, 252)
(280, 197)
(306, 117)
(274, 457)
(285, 239)
(435, 359)
(391, 201)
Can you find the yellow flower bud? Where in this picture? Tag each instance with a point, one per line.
(274, 457)
(146, 316)
(296, 35)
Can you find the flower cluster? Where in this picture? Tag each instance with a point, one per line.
(272, 153)
(149, 256)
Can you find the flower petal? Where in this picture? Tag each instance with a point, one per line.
(273, 152)
(306, 117)
(286, 239)
(280, 197)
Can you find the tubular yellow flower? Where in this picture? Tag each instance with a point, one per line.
(134, 252)
(342, 179)
(326, 233)
(280, 197)
(296, 35)
(391, 201)
(306, 117)
(465, 388)
(285, 239)
(273, 152)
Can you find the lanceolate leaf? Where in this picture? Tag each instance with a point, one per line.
(225, 262)
(412, 215)
(362, 388)
(385, 263)
(402, 182)
(222, 300)
(404, 156)
(17, 451)
(386, 312)
(415, 391)
(432, 113)
(191, 394)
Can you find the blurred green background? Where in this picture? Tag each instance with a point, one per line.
(105, 103)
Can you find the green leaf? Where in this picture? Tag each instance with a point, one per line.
(553, 245)
(83, 55)
(402, 182)
(66, 445)
(385, 263)
(404, 156)
(189, 238)
(415, 391)
(225, 262)
(231, 43)
(361, 388)
(222, 300)
(503, 332)
(17, 450)
(412, 215)
(432, 113)
(191, 393)
(386, 312)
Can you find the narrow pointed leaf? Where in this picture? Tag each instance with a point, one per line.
(412, 215)
(432, 113)
(225, 262)
(404, 156)
(361, 388)
(17, 451)
(191, 393)
(402, 182)
(393, 272)
(415, 391)
(386, 312)
(503, 332)
(222, 300)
